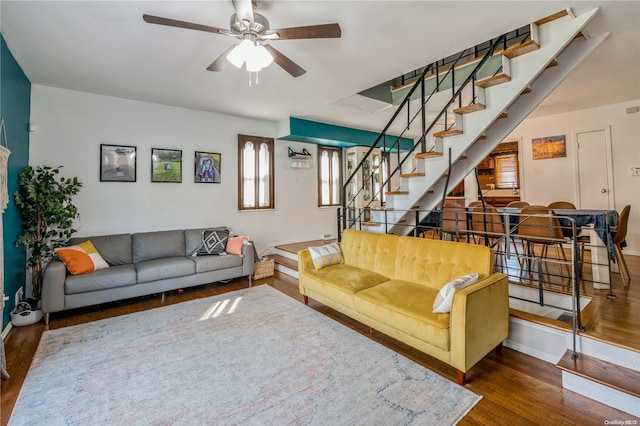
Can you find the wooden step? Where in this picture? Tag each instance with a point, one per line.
(462, 157)
(446, 133)
(470, 108)
(526, 91)
(481, 138)
(371, 224)
(284, 261)
(521, 49)
(553, 17)
(396, 192)
(410, 175)
(493, 81)
(552, 64)
(431, 154)
(605, 373)
(295, 247)
(502, 115)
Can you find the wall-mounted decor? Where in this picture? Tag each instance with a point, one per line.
(166, 165)
(207, 167)
(117, 163)
(549, 147)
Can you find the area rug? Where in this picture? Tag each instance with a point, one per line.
(250, 357)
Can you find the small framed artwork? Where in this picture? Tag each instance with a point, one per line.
(117, 163)
(166, 165)
(207, 167)
(549, 147)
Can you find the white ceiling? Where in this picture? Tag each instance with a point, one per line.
(105, 47)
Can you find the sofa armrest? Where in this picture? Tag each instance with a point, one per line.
(305, 263)
(248, 259)
(479, 320)
(52, 298)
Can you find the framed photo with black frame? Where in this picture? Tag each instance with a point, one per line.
(207, 167)
(117, 163)
(166, 165)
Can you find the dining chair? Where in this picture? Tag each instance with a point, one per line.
(539, 226)
(454, 222)
(475, 203)
(564, 205)
(618, 238)
(486, 223)
(518, 204)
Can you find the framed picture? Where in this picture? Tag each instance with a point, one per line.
(117, 163)
(166, 165)
(207, 167)
(549, 147)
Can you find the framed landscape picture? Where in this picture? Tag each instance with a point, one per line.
(549, 147)
(166, 165)
(207, 167)
(117, 163)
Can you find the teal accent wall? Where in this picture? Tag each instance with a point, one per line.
(331, 135)
(15, 108)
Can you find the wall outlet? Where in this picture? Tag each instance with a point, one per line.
(327, 236)
(19, 296)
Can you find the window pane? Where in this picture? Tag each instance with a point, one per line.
(263, 169)
(335, 178)
(324, 178)
(248, 173)
(507, 171)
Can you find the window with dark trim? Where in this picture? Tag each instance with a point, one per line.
(506, 170)
(255, 173)
(329, 176)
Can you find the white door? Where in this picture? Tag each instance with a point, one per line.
(595, 174)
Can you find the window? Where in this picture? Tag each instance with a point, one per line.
(255, 173)
(506, 169)
(329, 176)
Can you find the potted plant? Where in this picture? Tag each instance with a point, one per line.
(44, 202)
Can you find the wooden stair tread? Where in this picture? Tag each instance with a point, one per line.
(552, 64)
(284, 261)
(371, 224)
(295, 247)
(445, 133)
(553, 17)
(481, 138)
(396, 192)
(470, 108)
(614, 376)
(521, 49)
(493, 81)
(502, 115)
(526, 91)
(463, 157)
(410, 175)
(431, 154)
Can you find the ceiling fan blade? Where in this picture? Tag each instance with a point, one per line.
(287, 64)
(221, 62)
(311, 31)
(183, 24)
(244, 10)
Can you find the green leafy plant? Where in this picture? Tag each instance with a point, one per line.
(44, 202)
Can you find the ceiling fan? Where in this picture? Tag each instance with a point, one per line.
(253, 29)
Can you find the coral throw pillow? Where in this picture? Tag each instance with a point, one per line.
(81, 258)
(234, 245)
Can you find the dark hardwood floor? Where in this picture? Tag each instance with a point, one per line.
(517, 390)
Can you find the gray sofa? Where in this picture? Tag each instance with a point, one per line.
(140, 264)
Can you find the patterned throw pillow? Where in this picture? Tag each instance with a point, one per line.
(442, 304)
(326, 255)
(81, 258)
(213, 242)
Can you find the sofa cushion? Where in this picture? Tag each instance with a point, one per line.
(214, 263)
(434, 263)
(369, 251)
(341, 282)
(160, 269)
(115, 249)
(193, 238)
(406, 306)
(115, 276)
(157, 245)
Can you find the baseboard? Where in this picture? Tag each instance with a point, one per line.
(601, 393)
(6, 331)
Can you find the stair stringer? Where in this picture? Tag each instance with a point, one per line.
(558, 41)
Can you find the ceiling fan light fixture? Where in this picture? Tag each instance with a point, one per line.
(240, 53)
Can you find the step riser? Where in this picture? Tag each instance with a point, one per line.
(286, 270)
(601, 393)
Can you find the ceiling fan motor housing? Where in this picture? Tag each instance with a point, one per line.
(259, 25)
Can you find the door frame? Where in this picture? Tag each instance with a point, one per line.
(609, 153)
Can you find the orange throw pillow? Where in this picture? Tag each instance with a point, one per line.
(234, 245)
(81, 258)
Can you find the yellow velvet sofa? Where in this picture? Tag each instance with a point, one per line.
(390, 283)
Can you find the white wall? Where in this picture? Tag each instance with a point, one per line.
(544, 181)
(72, 125)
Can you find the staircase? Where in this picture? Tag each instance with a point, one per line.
(492, 108)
